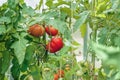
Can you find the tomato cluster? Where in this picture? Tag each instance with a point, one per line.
(55, 44)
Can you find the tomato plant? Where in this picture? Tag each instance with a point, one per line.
(28, 36)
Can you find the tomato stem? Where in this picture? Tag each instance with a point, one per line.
(93, 35)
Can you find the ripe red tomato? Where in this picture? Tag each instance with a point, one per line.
(61, 73)
(55, 45)
(56, 76)
(49, 48)
(36, 30)
(50, 30)
(58, 42)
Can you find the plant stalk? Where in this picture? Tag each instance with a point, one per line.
(94, 32)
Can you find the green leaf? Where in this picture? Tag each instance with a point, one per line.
(1, 75)
(29, 52)
(15, 70)
(5, 19)
(115, 4)
(40, 5)
(23, 77)
(2, 29)
(102, 35)
(102, 6)
(49, 3)
(20, 48)
(67, 34)
(81, 20)
(43, 17)
(5, 62)
(35, 72)
(61, 3)
(117, 76)
(64, 50)
(0, 63)
(50, 14)
(117, 41)
(28, 57)
(109, 55)
(25, 66)
(66, 10)
(12, 3)
(28, 10)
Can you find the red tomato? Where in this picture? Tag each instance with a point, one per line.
(61, 73)
(55, 45)
(36, 30)
(50, 30)
(58, 42)
(56, 76)
(49, 48)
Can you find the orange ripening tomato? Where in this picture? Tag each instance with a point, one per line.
(50, 30)
(36, 30)
(61, 73)
(56, 76)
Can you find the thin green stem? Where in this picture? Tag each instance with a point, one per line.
(94, 32)
(70, 25)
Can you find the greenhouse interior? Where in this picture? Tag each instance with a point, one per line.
(59, 39)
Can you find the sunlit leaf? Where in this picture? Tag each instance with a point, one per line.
(117, 76)
(66, 10)
(20, 48)
(40, 4)
(83, 30)
(27, 10)
(49, 3)
(81, 20)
